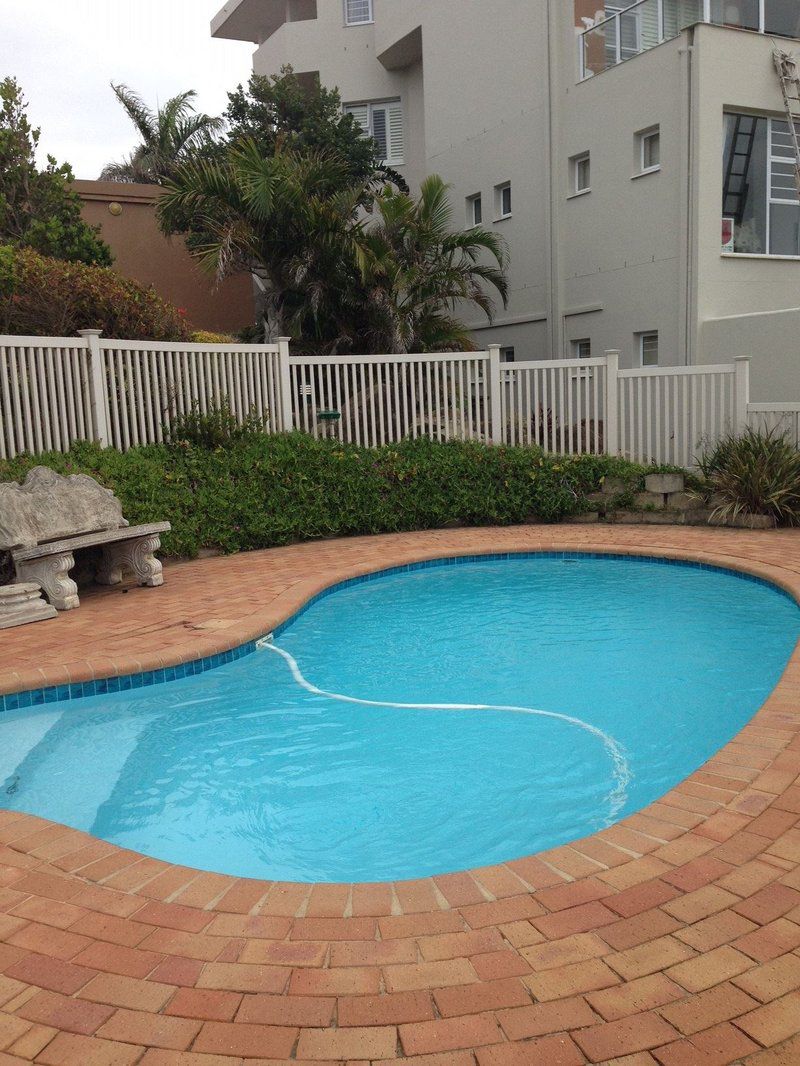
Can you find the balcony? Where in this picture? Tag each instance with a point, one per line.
(258, 20)
(642, 25)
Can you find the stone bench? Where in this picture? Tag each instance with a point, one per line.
(45, 520)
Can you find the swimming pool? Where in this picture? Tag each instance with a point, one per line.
(428, 720)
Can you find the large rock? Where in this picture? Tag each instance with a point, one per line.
(48, 507)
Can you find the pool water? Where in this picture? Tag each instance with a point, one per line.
(363, 743)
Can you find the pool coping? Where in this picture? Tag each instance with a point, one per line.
(731, 819)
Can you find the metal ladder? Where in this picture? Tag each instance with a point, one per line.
(789, 77)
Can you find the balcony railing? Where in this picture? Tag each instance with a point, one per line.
(641, 26)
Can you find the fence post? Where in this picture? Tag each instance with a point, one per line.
(287, 416)
(611, 419)
(97, 386)
(494, 394)
(741, 393)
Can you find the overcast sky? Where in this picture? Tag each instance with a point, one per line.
(64, 53)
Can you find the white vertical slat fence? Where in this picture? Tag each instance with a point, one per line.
(783, 418)
(54, 391)
(558, 405)
(148, 385)
(45, 394)
(673, 414)
(381, 399)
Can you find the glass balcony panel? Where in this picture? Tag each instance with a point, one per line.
(743, 14)
(782, 17)
(678, 14)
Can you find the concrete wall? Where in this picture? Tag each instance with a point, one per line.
(141, 252)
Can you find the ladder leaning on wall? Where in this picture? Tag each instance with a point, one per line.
(789, 77)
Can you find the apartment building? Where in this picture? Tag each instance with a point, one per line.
(636, 156)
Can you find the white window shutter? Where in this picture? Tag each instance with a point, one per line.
(380, 131)
(396, 141)
(360, 113)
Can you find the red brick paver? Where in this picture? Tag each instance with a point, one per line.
(671, 939)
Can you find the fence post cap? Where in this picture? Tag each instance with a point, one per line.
(286, 339)
(741, 359)
(90, 333)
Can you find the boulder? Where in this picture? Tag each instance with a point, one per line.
(48, 506)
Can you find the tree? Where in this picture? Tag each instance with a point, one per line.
(168, 137)
(38, 209)
(307, 116)
(288, 217)
(417, 271)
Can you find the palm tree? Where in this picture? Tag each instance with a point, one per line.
(418, 272)
(290, 218)
(167, 134)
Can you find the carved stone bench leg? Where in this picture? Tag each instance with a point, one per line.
(136, 555)
(52, 573)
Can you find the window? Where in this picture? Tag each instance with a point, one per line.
(384, 123)
(648, 349)
(474, 210)
(782, 17)
(507, 355)
(357, 12)
(581, 173)
(649, 142)
(760, 207)
(502, 195)
(581, 349)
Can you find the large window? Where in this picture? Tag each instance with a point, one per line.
(384, 123)
(760, 205)
(357, 12)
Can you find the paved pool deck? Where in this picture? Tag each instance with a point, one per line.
(669, 939)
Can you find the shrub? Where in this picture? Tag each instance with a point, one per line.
(45, 297)
(213, 429)
(204, 336)
(755, 473)
(259, 491)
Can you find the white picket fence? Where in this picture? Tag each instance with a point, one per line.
(54, 391)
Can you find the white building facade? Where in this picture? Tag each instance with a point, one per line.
(636, 157)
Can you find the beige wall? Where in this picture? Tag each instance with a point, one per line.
(143, 253)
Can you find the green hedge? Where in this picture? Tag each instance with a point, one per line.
(263, 491)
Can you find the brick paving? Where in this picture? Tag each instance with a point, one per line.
(670, 939)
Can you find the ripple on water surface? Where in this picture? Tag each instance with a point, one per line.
(245, 771)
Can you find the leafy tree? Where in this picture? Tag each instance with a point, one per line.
(286, 109)
(169, 135)
(288, 217)
(418, 271)
(38, 209)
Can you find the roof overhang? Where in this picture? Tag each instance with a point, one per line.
(248, 20)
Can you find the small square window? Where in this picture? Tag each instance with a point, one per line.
(581, 349)
(474, 210)
(649, 150)
(648, 349)
(580, 166)
(507, 355)
(357, 12)
(503, 199)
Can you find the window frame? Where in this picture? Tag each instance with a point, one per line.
(641, 339)
(770, 199)
(385, 106)
(643, 137)
(575, 347)
(499, 191)
(473, 201)
(508, 354)
(575, 164)
(362, 22)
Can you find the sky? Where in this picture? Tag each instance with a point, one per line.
(64, 53)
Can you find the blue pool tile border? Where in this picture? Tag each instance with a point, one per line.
(78, 690)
